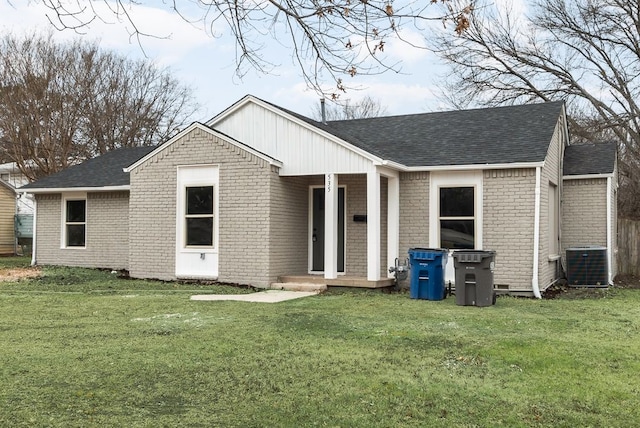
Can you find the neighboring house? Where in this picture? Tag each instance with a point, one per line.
(243, 197)
(7, 213)
(10, 173)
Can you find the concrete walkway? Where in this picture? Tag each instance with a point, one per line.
(268, 296)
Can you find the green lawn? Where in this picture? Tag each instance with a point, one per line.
(82, 348)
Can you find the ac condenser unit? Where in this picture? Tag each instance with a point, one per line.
(587, 267)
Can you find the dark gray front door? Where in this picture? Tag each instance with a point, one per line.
(317, 247)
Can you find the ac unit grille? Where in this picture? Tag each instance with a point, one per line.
(587, 267)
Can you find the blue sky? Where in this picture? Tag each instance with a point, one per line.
(207, 63)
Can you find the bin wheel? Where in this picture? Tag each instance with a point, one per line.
(495, 296)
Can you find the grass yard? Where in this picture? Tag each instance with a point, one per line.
(82, 348)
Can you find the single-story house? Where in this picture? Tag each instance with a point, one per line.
(244, 197)
(7, 213)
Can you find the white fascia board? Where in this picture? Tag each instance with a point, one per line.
(277, 111)
(76, 189)
(586, 176)
(518, 165)
(205, 129)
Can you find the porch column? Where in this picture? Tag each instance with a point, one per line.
(331, 226)
(393, 222)
(373, 225)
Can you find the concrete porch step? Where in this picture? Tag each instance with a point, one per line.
(299, 286)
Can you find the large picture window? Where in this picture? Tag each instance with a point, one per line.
(75, 222)
(199, 219)
(457, 217)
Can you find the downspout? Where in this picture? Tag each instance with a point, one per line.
(536, 237)
(609, 237)
(33, 232)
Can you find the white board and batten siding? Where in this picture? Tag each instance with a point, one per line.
(302, 149)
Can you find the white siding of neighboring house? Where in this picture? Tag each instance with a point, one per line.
(10, 173)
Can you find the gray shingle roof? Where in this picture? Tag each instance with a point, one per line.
(101, 171)
(511, 134)
(583, 159)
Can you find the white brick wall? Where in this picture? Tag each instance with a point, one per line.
(508, 224)
(584, 213)
(244, 197)
(106, 232)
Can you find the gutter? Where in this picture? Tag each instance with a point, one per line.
(536, 238)
(33, 233)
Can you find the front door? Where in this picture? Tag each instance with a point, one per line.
(317, 229)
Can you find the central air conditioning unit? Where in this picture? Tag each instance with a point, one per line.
(587, 267)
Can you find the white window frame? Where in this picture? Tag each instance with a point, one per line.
(196, 176)
(440, 180)
(553, 211)
(79, 196)
(187, 216)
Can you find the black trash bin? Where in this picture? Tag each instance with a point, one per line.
(427, 273)
(474, 277)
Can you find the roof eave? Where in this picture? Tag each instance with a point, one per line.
(587, 176)
(121, 188)
(466, 167)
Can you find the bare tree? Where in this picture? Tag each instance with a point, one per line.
(581, 51)
(345, 110)
(63, 103)
(329, 39)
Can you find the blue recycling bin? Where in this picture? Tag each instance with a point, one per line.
(427, 273)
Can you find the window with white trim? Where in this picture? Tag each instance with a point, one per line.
(457, 217)
(199, 216)
(554, 247)
(75, 223)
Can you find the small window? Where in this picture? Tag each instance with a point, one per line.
(5, 177)
(457, 217)
(554, 249)
(199, 216)
(75, 223)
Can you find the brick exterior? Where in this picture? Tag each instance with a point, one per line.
(414, 212)
(244, 213)
(107, 232)
(508, 219)
(584, 213)
(549, 269)
(289, 228)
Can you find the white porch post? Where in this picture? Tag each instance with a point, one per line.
(373, 225)
(393, 222)
(331, 226)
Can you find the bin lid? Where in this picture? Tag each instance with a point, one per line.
(472, 256)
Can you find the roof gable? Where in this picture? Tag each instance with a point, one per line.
(587, 159)
(105, 171)
(205, 128)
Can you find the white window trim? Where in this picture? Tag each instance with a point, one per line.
(195, 176)
(74, 196)
(454, 179)
(553, 226)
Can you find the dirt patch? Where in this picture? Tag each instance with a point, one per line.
(16, 274)
(627, 281)
(562, 291)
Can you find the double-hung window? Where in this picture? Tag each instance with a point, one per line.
(199, 216)
(457, 217)
(75, 223)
